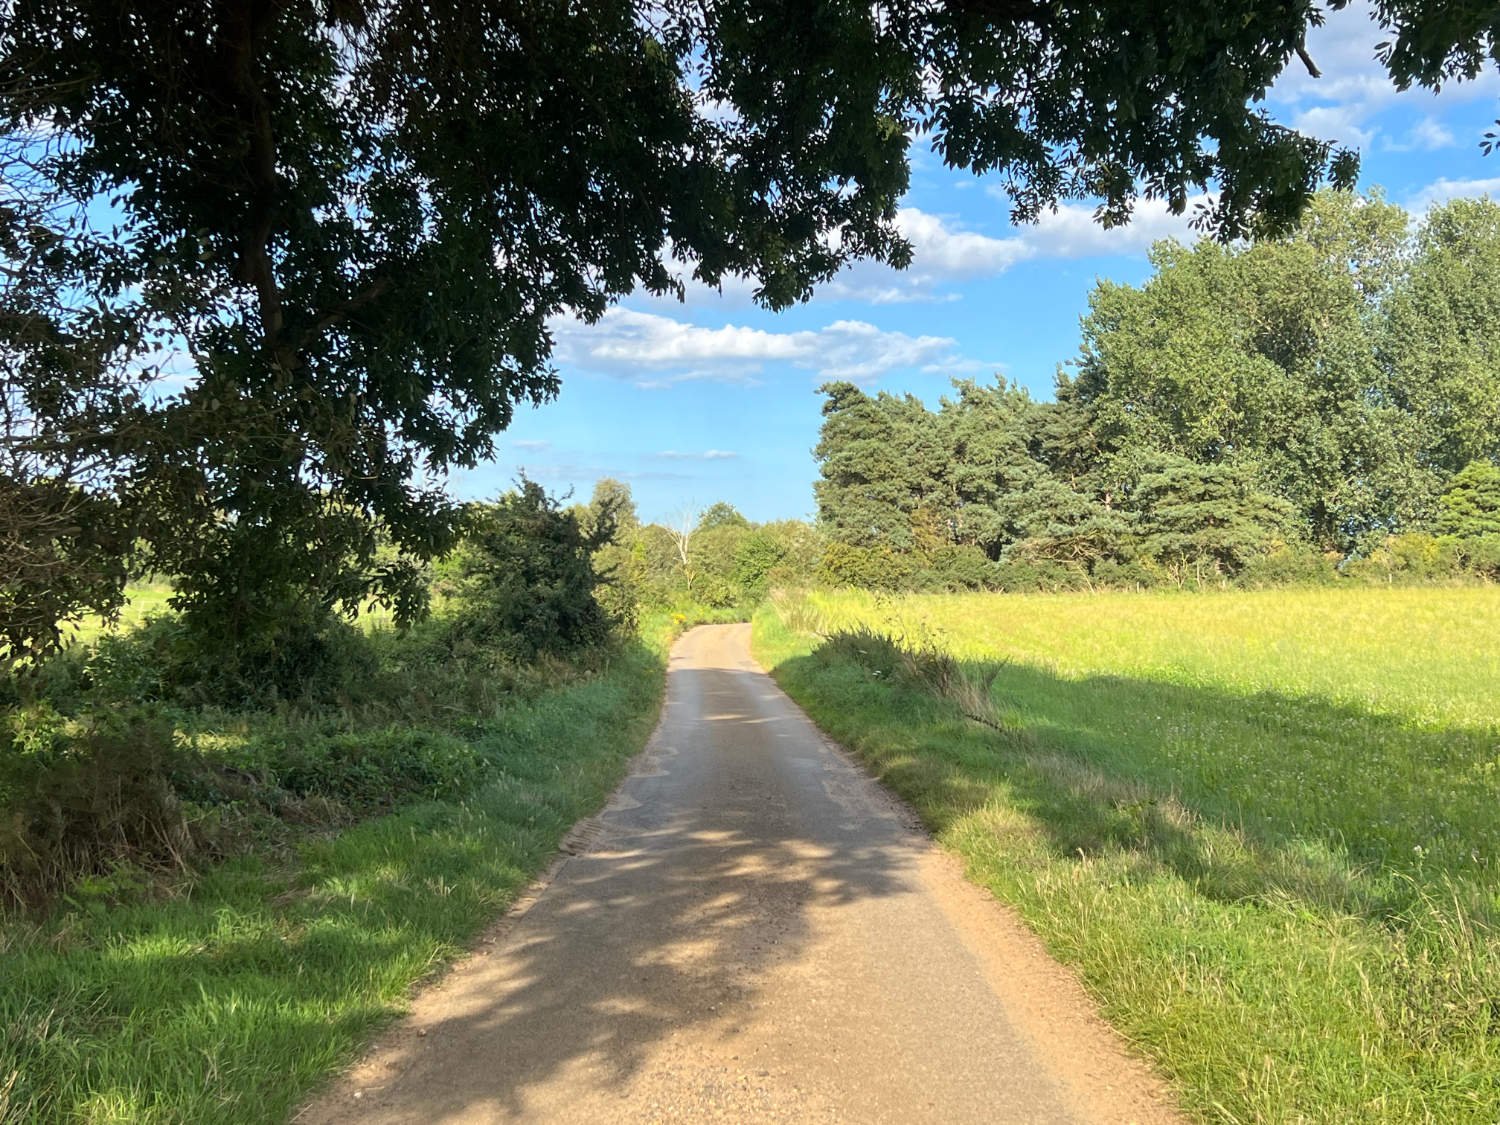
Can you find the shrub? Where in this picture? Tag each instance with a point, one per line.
(1411, 556)
(1470, 508)
(955, 568)
(868, 568)
(925, 667)
(1120, 573)
(1290, 564)
(1480, 556)
(1023, 575)
(139, 665)
(80, 803)
(377, 769)
(526, 575)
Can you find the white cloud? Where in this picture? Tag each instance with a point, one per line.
(1440, 191)
(530, 444)
(1344, 51)
(1354, 87)
(941, 253)
(1071, 231)
(705, 455)
(657, 351)
(1341, 124)
(1427, 135)
(583, 472)
(945, 254)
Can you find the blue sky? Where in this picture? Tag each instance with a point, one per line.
(715, 399)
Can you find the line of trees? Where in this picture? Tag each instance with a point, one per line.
(710, 558)
(1328, 398)
(351, 223)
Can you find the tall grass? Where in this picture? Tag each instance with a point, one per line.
(1262, 825)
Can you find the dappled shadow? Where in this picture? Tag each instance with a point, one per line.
(1245, 796)
(698, 881)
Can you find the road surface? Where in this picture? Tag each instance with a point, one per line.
(752, 930)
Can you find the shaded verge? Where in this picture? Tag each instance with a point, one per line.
(231, 1000)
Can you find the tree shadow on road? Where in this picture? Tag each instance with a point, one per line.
(689, 889)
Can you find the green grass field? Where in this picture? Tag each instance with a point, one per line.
(1263, 826)
(142, 600)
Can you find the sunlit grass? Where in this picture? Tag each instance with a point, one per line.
(142, 600)
(1263, 825)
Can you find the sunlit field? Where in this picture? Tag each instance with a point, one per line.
(142, 600)
(1262, 825)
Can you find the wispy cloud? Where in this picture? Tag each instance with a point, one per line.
(704, 455)
(1427, 135)
(574, 472)
(942, 253)
(1354, 87)
(531, 444)
(1440, 191)
(653, 351)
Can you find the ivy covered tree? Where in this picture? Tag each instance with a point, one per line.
(351, 221)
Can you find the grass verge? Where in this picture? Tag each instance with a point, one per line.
(230, 999)
(1261, 826)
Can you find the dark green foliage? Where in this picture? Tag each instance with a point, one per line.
(363, 277)
(264, 611)
(377, 769)
(1195, 516)
(954, 567)
(1411, 555)
(526, 574)
(1342, 367)
(76, 803)
(756, 557)
(1263, 357)
(1481, 556)
(63, 555)
(235, 998)
(1439, 337)
(880, 461)
(1292, 564)
(721, 514)
(713, 557)
(97, 787)
(1071, 528)
(1258, 412)
(1470, 506)
(715, 560)
(619, 567)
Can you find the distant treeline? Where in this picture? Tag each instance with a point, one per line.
(712, 558)
(1325, 403)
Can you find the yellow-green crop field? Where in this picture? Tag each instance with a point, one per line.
(1264, 826)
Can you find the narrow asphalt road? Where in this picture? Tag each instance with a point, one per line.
(752, 930)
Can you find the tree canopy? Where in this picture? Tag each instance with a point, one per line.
(1320, 391)
(351, 221)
